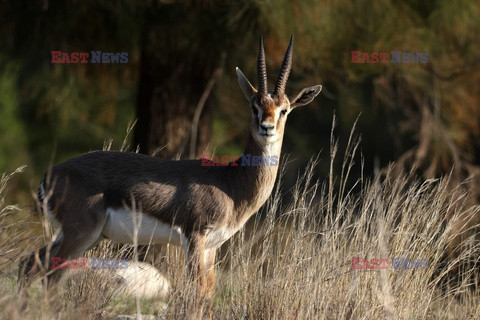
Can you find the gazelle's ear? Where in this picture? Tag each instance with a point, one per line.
(305, 96)
(246, 86)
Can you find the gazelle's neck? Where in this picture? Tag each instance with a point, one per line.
(252, 185)
(269, 150)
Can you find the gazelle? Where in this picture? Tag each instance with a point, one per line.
(94, 196)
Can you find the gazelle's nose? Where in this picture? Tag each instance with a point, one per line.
(267, 126)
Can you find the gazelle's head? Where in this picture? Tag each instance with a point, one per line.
(271, 108)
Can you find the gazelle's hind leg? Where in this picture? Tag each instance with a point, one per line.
(74, 245)
(32, 263)
(74, 239)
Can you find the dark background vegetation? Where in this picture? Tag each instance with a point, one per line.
(422, 116)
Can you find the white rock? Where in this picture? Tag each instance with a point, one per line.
(143, 280)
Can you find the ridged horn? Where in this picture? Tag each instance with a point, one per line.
(262, 69)
(285, 70)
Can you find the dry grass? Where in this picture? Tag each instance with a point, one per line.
(293, 261)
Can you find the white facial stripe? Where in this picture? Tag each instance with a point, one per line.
(277, 114)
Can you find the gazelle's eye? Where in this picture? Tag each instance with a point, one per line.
(284, 112)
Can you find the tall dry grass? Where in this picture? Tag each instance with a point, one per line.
(294, 260)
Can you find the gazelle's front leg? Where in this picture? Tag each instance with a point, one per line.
(201, 263)
(209, 262)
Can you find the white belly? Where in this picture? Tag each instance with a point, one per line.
(123, 226)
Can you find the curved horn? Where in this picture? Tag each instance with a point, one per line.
(285, 70)
(262, 69)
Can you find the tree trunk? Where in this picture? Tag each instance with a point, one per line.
(178, 58)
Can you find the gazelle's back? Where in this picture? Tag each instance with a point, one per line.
(158, 187)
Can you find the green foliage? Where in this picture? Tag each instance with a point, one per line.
(393, 99)
(13, 147)
(51, 112)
